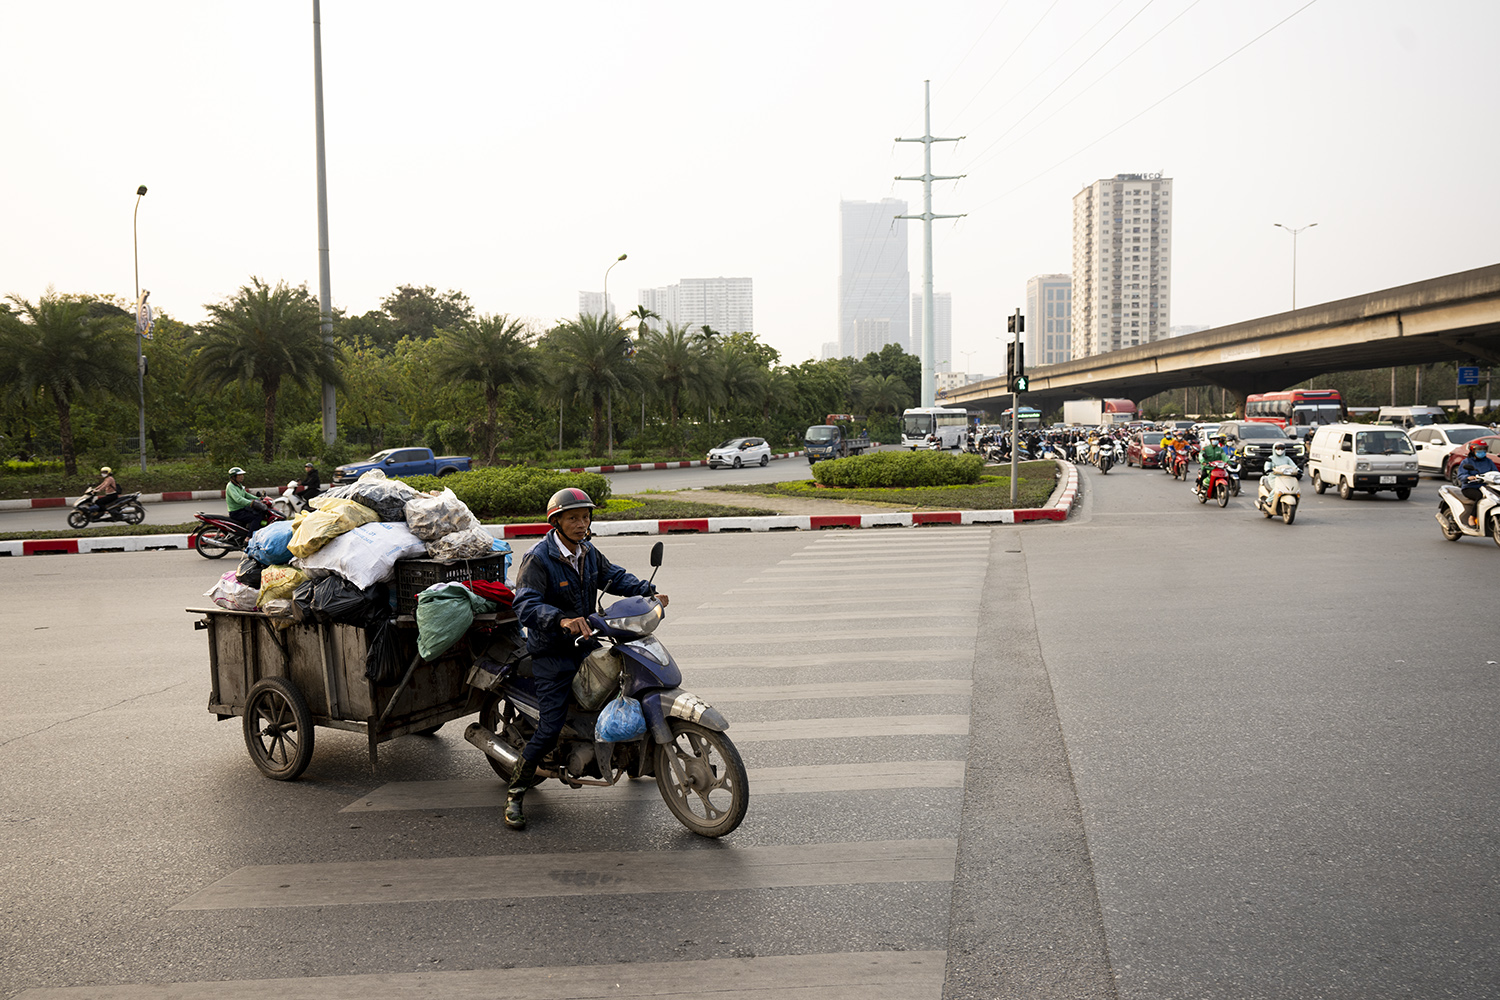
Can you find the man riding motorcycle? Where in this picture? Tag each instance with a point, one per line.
(1214, 452)
(1470, 471)
(557, 587)
(310, 485)
(243, 509)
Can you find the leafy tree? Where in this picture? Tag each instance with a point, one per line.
(421, 312)
(494, 351)
(585, 359)
(67, 348)
(674, 361)
(371, 390)
(266, 336)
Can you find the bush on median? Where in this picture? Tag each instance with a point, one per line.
(887, 469)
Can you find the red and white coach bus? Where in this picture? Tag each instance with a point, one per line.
(1299, 408)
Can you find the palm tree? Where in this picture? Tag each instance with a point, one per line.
(642, 316)
(62, 346)
(267, 336)
(587, 360)
(675, 362)
(882, 392)
(494, 351)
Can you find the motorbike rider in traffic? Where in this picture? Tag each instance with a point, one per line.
(1470, 470)
(243, 509)
(1281, 464)
(310, 485)
(106, 492)
(1212, 452)
(557, 587)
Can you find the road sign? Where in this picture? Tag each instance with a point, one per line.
(144, 320)
(1468, 375)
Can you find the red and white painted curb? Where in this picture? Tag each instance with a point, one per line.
(1057, 509)
(39, 502)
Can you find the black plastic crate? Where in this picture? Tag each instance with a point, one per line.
(415, 575)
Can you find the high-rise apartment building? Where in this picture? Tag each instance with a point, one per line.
(1049, 319)
(1122, 263)
(942, 330)
(592, 304)
(724, 304)
(874, 283)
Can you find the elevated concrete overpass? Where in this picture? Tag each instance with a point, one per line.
(1452, 318)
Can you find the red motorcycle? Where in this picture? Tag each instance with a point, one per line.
(1217, 485)
(1179, 464)
(218, 535)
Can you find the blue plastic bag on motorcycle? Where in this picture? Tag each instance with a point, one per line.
(268, 546)
(620, 721)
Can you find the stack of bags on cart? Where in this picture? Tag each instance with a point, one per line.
(332, 563)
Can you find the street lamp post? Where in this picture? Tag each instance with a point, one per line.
(140, 358)
(610, 412)
(1294, 233)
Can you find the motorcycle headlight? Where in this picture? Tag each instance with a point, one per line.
(643, 624)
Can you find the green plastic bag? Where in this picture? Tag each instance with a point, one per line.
(444, 613)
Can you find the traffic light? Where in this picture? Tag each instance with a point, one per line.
(1019, 383)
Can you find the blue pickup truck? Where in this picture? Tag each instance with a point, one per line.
(398, 463)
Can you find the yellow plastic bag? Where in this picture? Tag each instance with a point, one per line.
(277, 584)
(336, 515)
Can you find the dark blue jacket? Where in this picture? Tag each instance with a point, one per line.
(1472, 466)
(548, 590)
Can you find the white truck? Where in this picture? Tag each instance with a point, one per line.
(1093, 412)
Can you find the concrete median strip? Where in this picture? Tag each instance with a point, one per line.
(1057, 509)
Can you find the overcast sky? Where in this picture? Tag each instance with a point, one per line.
(512, 151)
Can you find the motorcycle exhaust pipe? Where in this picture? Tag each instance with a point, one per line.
(493, 746)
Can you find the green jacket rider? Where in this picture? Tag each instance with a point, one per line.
(1214, 452)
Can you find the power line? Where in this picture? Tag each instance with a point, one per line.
(1006, 61)
(1148, 108)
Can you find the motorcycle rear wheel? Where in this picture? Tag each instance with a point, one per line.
(702, 779)
(501, 718)
(77, 519)
(213, 542)
(133, 513)
(1451, 530)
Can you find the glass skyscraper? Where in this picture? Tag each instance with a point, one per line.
(874, 282)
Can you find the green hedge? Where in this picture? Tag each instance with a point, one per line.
(514, 491)
(900, 469)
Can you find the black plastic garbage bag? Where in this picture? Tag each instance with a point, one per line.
(335, 599)
(302, 603)
(382, 657)
(248, 572)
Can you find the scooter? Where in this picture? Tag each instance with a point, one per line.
(684, 746)
(1217, 485)
(1452, 512)
(126, 507)
(1279, 495)
(1179, 464)
(218, 535)
(290, 503)
(1106, 457)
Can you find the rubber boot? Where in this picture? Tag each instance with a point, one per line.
(515, 817)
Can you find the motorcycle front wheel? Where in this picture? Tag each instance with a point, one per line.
(1288, 513)
(702, 779)
(213, 542)
(1221, 493)
(77, 519)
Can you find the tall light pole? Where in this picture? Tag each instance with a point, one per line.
(325, 293)
(1294, 233)
(140, 358)
(605, 309)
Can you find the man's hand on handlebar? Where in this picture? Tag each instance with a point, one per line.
(578, 627)
(662, 598)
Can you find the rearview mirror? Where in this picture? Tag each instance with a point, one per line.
(656, 555)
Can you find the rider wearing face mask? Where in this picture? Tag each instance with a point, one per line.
(1281, 463)
(1475, 465)
(557, 587)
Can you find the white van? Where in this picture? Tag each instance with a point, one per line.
(1363, 457)
(1411, 416)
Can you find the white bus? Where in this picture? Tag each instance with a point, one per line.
(933, 427)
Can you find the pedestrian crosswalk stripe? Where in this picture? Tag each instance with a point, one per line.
(821, 779)
(803, 638)
(877, 975)
(853, 727)
(605, 873)
(923, 657)
(738, 621)
(838, 689)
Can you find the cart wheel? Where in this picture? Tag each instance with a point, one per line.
(278, 728)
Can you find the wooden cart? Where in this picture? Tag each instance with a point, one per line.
(285, 681)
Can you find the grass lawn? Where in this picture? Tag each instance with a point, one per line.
(992, 492)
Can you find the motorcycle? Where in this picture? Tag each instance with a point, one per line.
(1452, 513)
(1217, 485)
(1179, 464)
(1106, 458)
(218, 535)
(126, 507)
(1279, 495)
(697, 768)
(290, 503)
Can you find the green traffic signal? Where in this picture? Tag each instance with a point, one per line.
(1020, 383)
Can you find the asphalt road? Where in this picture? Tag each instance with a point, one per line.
(1162, 750)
